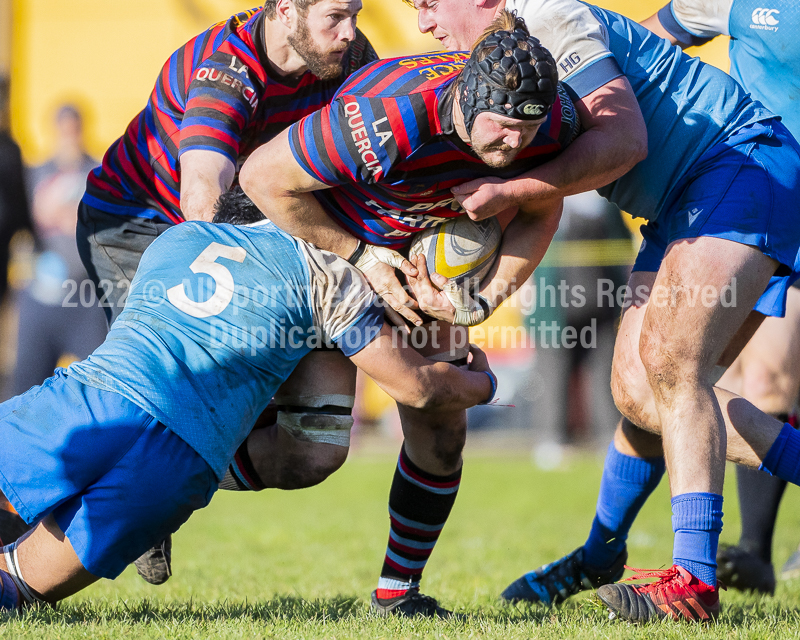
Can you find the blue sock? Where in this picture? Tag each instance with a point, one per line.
(627, 482)
(783, 458)
(9, 596)
(697, 523)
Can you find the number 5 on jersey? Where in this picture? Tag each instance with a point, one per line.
(207, 263)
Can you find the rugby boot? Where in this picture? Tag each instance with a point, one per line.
(677, 594)
(155, 565)
(746, 571)
(791, 569)
(412, 603)
(557, 581)
(12, 526)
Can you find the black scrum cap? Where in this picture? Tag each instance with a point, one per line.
(483, 86)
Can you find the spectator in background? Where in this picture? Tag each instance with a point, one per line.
(566, 395)
(59, 320)
(14, 213)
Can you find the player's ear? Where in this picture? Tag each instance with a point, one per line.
(286, 13)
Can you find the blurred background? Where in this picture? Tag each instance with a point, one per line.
(74, 73)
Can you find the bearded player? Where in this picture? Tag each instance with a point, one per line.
(164, 402)
(218, 97)
(764, 54)
(710, 226)
(364, 175)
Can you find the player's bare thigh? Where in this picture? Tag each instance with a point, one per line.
(767, 372)
(49, 564)
(632, 391)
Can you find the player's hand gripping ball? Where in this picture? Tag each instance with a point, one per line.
(463, 251)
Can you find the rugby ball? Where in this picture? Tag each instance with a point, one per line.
(460, 249)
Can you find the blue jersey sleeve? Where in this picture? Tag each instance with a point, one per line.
(363, 331)
(695, 22)
(578, 41)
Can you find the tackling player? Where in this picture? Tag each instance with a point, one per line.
(175, 388)
(718, 191)
(765, 54)
(363, 175)
(218, 97)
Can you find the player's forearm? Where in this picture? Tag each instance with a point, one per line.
(300, 215)
(198, 203)
(205, 175)
(614, 140)
(595, 159)
(281, 190)
(654, 24)
(525, 241)
(446, 388)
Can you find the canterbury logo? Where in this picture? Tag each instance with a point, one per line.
(533, 110)
(765, 18)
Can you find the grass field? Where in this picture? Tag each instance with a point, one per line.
(302, 565)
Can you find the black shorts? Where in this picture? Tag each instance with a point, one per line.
(111, 247)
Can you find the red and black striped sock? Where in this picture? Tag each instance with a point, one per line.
(419, 505)
(241, 475)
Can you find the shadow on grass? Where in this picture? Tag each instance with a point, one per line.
(294, 609)
(280, 608)
(747, 610)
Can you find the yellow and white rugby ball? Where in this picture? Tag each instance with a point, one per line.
(460, 249)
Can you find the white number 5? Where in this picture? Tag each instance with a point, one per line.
(223, 294)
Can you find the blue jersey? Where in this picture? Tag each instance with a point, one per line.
(388, 146)
(217, 318)
(688, 106)
(764, 46)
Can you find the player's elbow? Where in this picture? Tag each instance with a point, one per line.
(624, 141)
(417, 396)
(436, 390)
(420, 392)
(638, 147)
(631, 142)
(248, 179)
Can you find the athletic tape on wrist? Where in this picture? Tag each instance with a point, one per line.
(359, 251)
(493, 380)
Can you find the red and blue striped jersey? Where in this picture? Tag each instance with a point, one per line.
(217, 92)
(387, 146)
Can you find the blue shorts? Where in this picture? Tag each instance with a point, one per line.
(747, 190)
(116, 480)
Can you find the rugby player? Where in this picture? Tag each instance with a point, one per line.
(365, 174)
(718, 192)
(218, 97)
(765, 54)
(166, 400)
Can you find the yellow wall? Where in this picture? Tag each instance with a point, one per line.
(104, 55)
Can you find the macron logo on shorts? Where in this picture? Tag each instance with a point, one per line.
(693, 215)
(765, 20)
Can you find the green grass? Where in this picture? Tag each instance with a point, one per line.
(302, 565)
